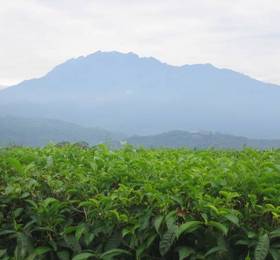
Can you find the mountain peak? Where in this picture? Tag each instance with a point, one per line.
(112, 54)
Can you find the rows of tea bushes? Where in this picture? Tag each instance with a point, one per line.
(73, 202)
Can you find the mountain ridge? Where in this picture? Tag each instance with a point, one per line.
(132, 54)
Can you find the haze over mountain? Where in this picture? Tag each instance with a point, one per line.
(123, 92)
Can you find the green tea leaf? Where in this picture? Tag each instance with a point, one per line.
(184, 252)
(188, 227)
(219, 226)
(83, 256)
(262, 247)
(275, 233)
(157, 222)
(167, 240)
(114, 252)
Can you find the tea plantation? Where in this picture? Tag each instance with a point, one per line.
(74, 202)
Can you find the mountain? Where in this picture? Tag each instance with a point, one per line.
(39, 132)
(200, 140)
(127, 93)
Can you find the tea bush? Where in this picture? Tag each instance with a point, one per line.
(74, 202)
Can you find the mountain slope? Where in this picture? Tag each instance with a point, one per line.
(126, 93)
(39, 132)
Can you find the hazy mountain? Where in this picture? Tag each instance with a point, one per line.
(123, 92)
(39, 132)
(176, 139)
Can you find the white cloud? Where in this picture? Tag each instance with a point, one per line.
(243, 35)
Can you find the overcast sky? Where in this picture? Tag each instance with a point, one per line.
(244, 35)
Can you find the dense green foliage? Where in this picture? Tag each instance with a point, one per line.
(77, 203)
